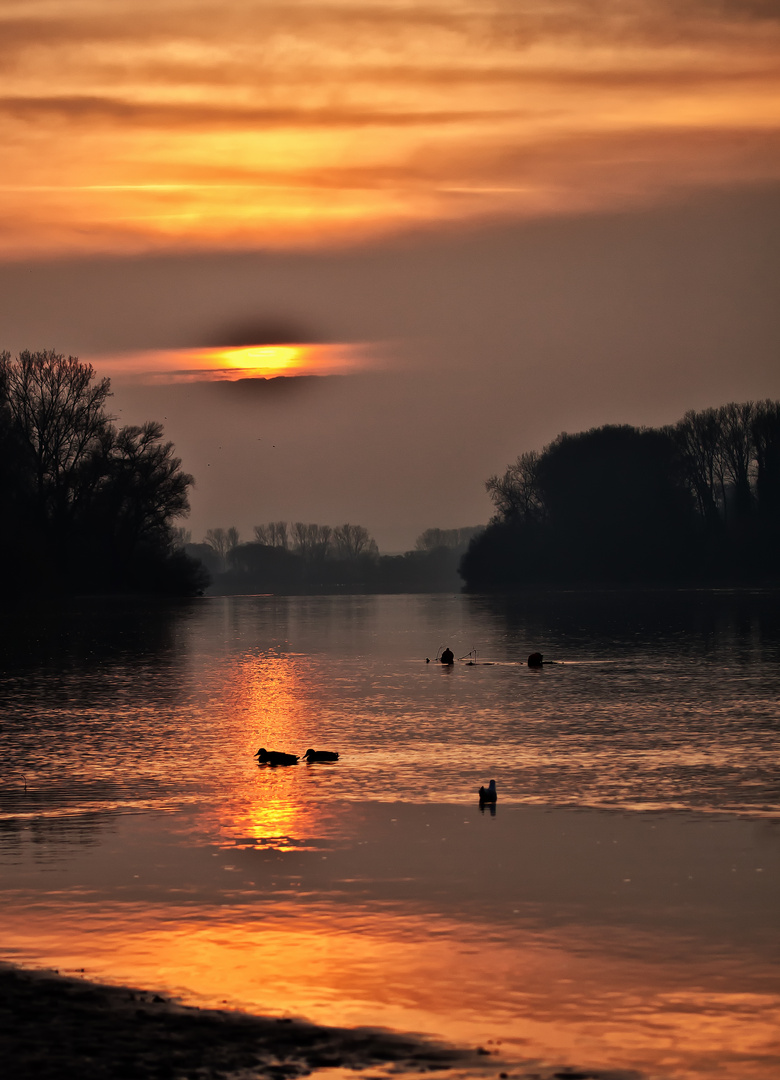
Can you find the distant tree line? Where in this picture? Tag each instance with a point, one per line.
(303, 557)
(695, 501)
(88, 507)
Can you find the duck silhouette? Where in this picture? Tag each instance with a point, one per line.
(488, 794)
(320, 755)
(274, 757)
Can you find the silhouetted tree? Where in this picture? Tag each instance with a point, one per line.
(222, 542)
(311, 541)
(140, 491)
(701, 498)
(58, 412)
(353, 542)
(451, 539)
(95, 504)
(700, 438)
(766, 447)
(274, 534)
(737, 425)
(516, 494)
(262, 568)
(607, 504)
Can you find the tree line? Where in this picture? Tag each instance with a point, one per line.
(300, 557)
(695, 501)
(89, 507)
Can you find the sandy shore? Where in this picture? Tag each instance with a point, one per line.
(53, 1026)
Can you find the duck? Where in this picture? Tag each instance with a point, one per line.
(274, 757)
(320, 755)
(488, 794)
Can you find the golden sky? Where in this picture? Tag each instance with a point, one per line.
(137, 126)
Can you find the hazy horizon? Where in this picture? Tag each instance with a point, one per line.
(465, 348)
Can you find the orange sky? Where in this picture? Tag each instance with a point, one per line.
(521, 218)
(138, 125)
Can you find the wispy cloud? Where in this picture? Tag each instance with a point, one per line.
(203, 115)
(136, 124)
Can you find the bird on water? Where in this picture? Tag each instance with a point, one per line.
(274, 757)
(320, 755)
(488, 794)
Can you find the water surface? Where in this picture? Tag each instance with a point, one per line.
(619, 909)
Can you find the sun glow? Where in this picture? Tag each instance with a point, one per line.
(263, 359)
(230, 364)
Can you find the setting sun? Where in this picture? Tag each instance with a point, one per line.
(231, 364)
(260, 361)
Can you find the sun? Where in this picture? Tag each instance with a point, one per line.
(230, 363)
(262, 361)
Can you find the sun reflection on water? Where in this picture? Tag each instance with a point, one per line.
(269, 702)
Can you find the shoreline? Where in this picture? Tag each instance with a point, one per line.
(62, 1026)
(59, 1026)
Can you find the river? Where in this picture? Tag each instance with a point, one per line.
(618, 909)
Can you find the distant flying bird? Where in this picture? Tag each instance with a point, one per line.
(488, 794)
(274, 757)
(320, 755)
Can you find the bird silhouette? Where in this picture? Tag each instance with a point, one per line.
(320, 755)
(274, 757)
(488, 794)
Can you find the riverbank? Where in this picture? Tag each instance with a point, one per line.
(53, 1026)
(603, 940)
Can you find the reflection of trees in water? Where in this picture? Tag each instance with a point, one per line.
(87, 634)
(616, 622)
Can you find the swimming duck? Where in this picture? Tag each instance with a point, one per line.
(274, 757)
(488, 794)
(320, 755)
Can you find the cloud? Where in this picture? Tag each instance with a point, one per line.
(201, 115)
(138, 125)
(276, 331)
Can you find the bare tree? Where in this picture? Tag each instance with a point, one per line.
(97, 503)
(738, 455)
(766, 446)
(353, 541)
(311, 541)
(431, 539)
(217, 541)
(274, 534)
(719, 453)
(699, 436)
(59, 411)
(516, 494)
